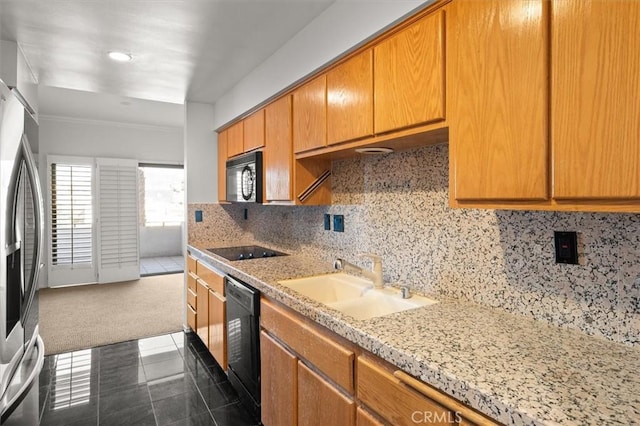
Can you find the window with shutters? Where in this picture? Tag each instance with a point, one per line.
(93, 224)
(71, 214)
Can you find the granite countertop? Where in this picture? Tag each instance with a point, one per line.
(514, 369)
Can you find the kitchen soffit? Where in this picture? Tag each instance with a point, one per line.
(196, 49)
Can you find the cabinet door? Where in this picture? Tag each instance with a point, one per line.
(364, 418)
(497, 99)
(254, 131)
(222, 165)
(278, 151)
(235, 139)
(321, 404)
(218, 328)
(409, 83)
(202, 312)
(350, 99)
(595, 91)
(309, 115)
(279, 383)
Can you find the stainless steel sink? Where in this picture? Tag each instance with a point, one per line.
(354, 296)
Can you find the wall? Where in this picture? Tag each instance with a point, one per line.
(68, 136)
(200, 154)
(340, 27)
(397, 206)
(158, 241)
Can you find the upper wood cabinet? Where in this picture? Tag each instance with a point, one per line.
(595, 104)
(409, 84)
(253, 136)
(235, 139)
(497, 73)
(278, 152)
(222, 165)
(350, 99)
(309, 115)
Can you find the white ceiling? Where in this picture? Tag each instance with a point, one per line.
(183, 49)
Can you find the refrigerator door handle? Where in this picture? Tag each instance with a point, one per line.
(38, 206)
(28, 383)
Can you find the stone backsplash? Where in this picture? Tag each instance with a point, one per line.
(397, 206)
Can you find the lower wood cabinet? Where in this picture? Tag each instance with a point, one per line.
(207, 308)
(293, 394)
(218, 327)
(365, 418)
(386, 396)
(301, 369)
(279, 383)
(191, 318)
(320, 403)
(192, 298)
(310, 376)
(400, 399)
(202, 311)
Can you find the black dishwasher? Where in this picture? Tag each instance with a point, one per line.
(243, 342)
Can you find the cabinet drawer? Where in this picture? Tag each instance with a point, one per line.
(333, 359)
(214, 280)
(191, 264)
(394, 401)
(191, 298)
(191, 281)
(401, 399)
(191, 318)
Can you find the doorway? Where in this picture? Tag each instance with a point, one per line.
(161, 218)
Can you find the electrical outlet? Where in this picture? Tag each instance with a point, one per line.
(338, 223)
(566, 247)
(198, 215)
(327, 222)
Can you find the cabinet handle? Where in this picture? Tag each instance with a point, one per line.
(444, 400)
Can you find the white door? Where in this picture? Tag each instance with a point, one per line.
(117, 242)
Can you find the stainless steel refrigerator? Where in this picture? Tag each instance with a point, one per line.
(21, 238)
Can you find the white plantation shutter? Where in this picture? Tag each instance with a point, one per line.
(71, 217)
(118, 253)
(71, 220)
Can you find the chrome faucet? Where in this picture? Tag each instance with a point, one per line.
(375, 274)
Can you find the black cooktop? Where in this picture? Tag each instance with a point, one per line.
(245, 252)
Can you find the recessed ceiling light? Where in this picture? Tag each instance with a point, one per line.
(120, 56)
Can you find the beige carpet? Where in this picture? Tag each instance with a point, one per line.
(73, 318)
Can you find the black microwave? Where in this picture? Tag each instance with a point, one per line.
(244, 178)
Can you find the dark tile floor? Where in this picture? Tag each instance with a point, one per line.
(164, 380)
